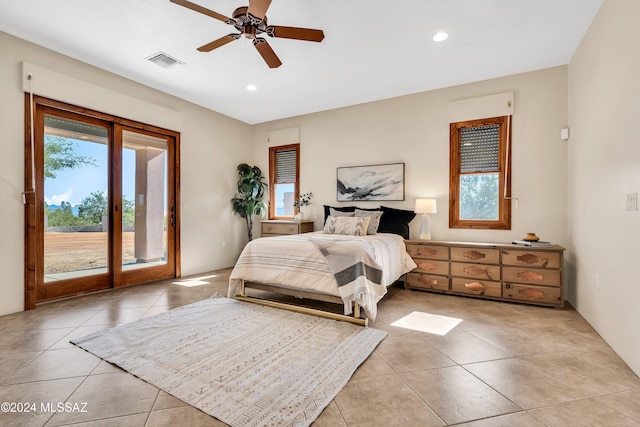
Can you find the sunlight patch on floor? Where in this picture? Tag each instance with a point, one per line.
(427, 322)
(195, 281)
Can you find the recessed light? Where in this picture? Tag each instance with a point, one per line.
(252, 88)
(440, 36)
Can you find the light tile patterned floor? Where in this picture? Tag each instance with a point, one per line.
(500, 364)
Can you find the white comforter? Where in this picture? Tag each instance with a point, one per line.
(295, 262)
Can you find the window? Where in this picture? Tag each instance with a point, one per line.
(480, 174)
(284, 178)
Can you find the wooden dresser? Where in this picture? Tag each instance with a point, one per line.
(497, 271)
(274, 227)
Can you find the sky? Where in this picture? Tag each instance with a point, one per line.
(74, 185)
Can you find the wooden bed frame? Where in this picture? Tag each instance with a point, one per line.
(354, 318)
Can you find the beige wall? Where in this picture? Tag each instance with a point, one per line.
(212, 146)
(414, 129)
(604, 165)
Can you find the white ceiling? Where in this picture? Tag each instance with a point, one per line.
(373, 49)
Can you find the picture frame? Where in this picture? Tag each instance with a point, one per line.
(370, 182)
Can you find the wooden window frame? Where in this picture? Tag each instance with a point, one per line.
(273, 173)
(504, 175)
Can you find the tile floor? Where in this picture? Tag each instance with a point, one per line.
(500, 364)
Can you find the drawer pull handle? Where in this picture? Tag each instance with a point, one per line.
(533, 259)
(475, 271)
(474, 255)
(530, 293)
(475, 287)
(426, 251)
(428, 281)
(268, 228)
(427, 266)
(530, 276)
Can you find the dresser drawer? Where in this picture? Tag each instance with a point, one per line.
(427, 281)
(532, 293)
(476, 287)
(476, 271)
(480, 255)
(429, 266)
(428, 251)
(534, 276)
(279, 228)
(540, 259)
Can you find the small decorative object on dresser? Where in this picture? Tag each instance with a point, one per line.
(498, 271)
(531, 237)
(303, 200)
(274, 227)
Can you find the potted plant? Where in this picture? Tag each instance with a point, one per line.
(251, 188)
(303, 200)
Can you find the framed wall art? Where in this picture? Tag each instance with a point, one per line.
(372, 182)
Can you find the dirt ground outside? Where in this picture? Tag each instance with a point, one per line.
(65, 252)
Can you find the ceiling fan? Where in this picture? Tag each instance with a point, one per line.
(251, 21)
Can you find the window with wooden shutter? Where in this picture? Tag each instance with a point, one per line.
(284, 176)
(480, 174)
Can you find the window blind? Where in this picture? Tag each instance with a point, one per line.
(479, 149)
(285, 166)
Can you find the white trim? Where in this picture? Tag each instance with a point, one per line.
(60, 87)
(481, 107)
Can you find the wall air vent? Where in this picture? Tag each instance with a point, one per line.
(164, 60)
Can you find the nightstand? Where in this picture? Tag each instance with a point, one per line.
(278, 227)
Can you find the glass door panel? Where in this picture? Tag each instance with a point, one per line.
(145, 207)
(76, 185)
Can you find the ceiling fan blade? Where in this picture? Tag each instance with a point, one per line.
(258, 9)
(204, 11)
(267, 53)
(295, 33)
(220, 42)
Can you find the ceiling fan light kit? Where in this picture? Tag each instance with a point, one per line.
(251, 21)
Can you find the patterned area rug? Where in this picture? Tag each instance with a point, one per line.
(243, 363)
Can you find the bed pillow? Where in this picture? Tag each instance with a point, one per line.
(354, 226)
(338, 208)
(374, 216)
(395, 221)
(335, 212)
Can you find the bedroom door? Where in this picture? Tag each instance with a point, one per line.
(104, 211)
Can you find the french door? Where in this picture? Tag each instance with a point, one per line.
(101, 202)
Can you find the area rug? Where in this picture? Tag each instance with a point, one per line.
(245, 364)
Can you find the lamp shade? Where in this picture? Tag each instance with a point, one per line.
(426, 206)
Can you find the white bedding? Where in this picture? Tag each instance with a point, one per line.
(296, 262)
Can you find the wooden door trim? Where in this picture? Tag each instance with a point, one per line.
(34, 209)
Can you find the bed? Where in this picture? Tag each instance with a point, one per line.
(351, 266)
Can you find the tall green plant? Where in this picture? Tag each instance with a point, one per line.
(251, 188)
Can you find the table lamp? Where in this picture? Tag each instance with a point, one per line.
(425, 207)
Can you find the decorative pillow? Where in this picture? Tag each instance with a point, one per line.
(354, 226)
(395, 221)
(335, 212)
(375, 219)
(338, 208)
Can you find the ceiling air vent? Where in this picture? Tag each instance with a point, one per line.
(164, 60)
